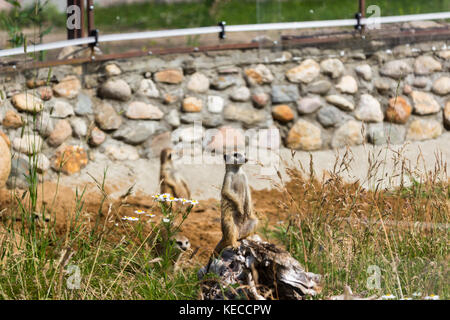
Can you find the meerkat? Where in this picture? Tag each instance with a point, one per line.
(170, 179)
(238, 220)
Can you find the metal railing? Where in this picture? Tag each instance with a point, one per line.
(221, 29)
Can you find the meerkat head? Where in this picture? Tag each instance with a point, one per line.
(182, 242)
(234, 159)
(166, 155)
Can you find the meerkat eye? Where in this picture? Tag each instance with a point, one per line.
(236, 154)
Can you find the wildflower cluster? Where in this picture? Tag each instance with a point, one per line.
(168, 198)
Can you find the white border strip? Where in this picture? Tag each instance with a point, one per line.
(217, 29)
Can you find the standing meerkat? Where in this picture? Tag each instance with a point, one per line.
(238, 220)
(171, 180)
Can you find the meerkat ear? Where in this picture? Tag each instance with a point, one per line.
(225, 157)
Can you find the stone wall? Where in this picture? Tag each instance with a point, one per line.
(317, 98)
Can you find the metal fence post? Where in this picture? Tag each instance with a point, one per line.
(362, 10)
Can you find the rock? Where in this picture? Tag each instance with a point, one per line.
(306, 72)
(191, 117)
(319, 87)
(421, 82)
(27, 102)
(260, 99)
(258, 75)
(19, 172)
(426, 65)
(83, 105)
(69, 87)
(147, 88)
(248, 115)
(396, 69)
(447, 115)
(240, 94)
(341, 102)
(79, 127)
(159, 143)
(42, 163)
(223, 82)
(369, 109)
(284, 93)
(35, 83)
(136, 132)
(121, 153)
(107, 117)
(173, 96)
(282, 113)
(422, 129)
(5, 163)
(192, 104)
(116, 89)
(332, 67)
(364, 71)
(330, 116)
(198, 82)
(226, 139)
(398, 110)
(212, 120)
(347, 84)
(350, 133)
(442, 86)
(385, 133)
(60, 109)
(45, 124)
(142, 111)
(385, 84)
(171, 76)
(444, 54)
(308, 105)
(28, 144)
(407, 89)
(188, 134)
(69, 159)
(228, 70)
(5, 138)
(12, 120)
(215, 104)
(45, 93)
(173, 118)
(97, 137)
(424, 103)
(304, 136)
(62, 131)
(112, 70)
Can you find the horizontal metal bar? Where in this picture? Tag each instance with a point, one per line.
(47, 46)
(217, 29)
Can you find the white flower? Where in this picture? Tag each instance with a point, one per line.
(432, 297)
(417, 294)
(130, 218)
(193, 202)
(165, 220)
(116, 224)
(388, 297)
(139, 211)
(406, 298)
(150, 215)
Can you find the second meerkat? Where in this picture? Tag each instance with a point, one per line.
(170, 179)
(238, 220)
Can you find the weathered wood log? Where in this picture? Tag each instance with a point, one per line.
(257, 270)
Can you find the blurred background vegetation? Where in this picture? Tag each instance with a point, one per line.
(158, 15)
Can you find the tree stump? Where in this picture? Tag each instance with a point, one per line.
(257, 270)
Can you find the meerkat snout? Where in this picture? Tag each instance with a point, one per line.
(182, 242)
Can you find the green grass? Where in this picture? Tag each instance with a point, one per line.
(149, 16)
